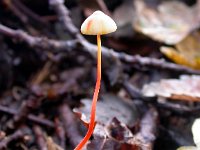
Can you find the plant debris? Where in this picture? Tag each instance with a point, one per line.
(48, 73)
(185, 88)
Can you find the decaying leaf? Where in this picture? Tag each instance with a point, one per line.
(118, 137)
(114, 117)
(110, 107)
(186, 88)
(51, 145)
(187, 52)
(169, 23)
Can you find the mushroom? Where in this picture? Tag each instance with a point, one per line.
(96, 24)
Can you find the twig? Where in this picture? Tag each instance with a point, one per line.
(148, 128)
(38, 42)
(67, 46)
(2, 135)
(177, 108)
(25, 109)
(132, 90)
(60, 132)
(103, 7)
(16, 11)
(16, 135)
(63, 14)
(33, 118)
(42, 74)
(40, 138)
(29, 13)
(70, 125)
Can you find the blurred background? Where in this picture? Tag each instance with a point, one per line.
(149, 94)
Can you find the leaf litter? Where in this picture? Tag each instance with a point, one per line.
(115, 118)
(120, 124)
(186, 52)
(170, 22)
(186, 88)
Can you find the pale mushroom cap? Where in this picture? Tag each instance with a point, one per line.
(98, 23)
(196, 132)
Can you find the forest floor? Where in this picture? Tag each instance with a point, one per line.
(150, 91)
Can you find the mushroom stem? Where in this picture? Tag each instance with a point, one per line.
(95, 97)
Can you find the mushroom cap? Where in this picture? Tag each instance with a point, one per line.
(196, 132)
(98, 23)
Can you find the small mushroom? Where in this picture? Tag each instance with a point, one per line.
(96, 24)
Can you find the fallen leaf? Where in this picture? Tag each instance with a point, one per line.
(110, 107)
(118, 131)
(186, 88)
(187, 52)
(170, 22)
(119, 137)
(114, 117)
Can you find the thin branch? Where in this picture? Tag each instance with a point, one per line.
(135, 94)
(148, 128)
(29, 13)
(23, 112)
(38, 42)
(16, 11)
(70, 125)
(38, 120)
(67, 46)
(60, 131)
(16, 135)
(40, 139)
(63, 14)
(133, 91)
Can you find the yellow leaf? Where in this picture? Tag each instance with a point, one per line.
(187, 148)
(186, 52)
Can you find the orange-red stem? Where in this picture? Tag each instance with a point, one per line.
(95, 97)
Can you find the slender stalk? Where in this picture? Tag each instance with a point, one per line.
(95, 96)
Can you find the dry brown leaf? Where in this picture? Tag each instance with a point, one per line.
(187, 52)
(186, 88)
(171, 22)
